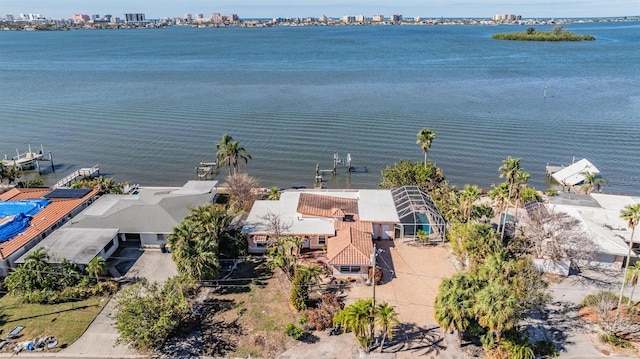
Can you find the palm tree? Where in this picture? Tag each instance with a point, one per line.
(425, 138)
(454, 303)
(235, 153)
(311, 274)
(500, 196)
(468, 196)
(222, 147)
(387, 318)
(509, 170)
(495, 309)
(37, 262)
(194, 253)
(97, 267)
(274, 194)
(357, 319)
(592, 181)
(630, 213)
(632, 278)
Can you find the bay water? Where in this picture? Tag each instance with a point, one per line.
(148, 105)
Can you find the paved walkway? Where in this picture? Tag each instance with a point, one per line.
(100, 339)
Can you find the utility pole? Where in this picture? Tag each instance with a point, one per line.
(373, 279)
(373, 275)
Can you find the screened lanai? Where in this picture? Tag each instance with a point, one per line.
(417, 211)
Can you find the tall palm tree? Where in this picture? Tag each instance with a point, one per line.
(509, 170)
(630, 213)
(500, 196)
(632, 278)
(97, 267)
(425, 139)
(468, 197)
(222, 151)
(592, 181)
(387, 318)
(237, 153)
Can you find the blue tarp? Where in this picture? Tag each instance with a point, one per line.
(21, 211)
(26, 206)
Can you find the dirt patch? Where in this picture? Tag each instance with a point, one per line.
(588, 314)
(247, 315)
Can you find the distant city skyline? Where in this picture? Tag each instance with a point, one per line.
(333, 8)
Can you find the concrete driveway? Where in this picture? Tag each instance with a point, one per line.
(412, 275)
(100, 339)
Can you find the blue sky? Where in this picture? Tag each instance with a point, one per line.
(316, 8)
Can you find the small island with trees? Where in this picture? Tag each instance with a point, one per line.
(557, 34)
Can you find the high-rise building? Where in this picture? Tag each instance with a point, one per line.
(233, 17)
(360, 18)
(217, 18)
(9, 18)
(188, 17)
(134, 18)
(378, 18)
(80, 18)
(396, 18)
(349, 18)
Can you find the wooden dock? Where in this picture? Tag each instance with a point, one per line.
(206, 170)
(80, 174)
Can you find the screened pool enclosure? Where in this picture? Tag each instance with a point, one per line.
(417, 211)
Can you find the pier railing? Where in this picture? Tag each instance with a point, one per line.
(73, 177)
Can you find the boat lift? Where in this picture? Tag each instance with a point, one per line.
(29, 160)
(336, 161)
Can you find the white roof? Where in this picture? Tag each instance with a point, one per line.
(197, 187)
(373, 205)
(377, 206)
(606, 228)
(574, 174)
(79, 245)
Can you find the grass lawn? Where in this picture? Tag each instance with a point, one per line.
(66, 321)
(249, 318)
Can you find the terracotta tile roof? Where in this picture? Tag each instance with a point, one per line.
(350, 247)
(362, 226)
(16, 194)
(41, 221)
(318, 205)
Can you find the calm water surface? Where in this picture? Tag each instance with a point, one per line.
(147, 105)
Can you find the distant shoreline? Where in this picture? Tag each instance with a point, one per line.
(68, 24)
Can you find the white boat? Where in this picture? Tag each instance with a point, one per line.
(25, 161)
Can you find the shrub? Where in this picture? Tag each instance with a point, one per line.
(615, 340)
(594, 299)
(147, 314)
(546, 349)
(294, 332)
(321, 318)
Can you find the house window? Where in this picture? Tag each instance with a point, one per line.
(322, 240)
(349, 269)
(261, 244)
(108, 247)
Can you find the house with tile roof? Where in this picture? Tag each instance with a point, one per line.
(61, 205)
(344, 222)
